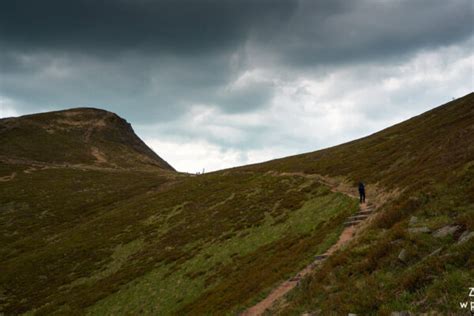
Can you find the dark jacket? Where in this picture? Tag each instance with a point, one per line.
(361, 187)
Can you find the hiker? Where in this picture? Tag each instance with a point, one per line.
(362, 192)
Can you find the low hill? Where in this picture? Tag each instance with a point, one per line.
(84, 136)
(132, 240)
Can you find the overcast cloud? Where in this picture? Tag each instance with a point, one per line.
(214, 84)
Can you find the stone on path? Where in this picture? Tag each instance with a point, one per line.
(403, 256)
(465, 237)
(448, 230)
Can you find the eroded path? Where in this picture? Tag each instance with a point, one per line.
(352, 225)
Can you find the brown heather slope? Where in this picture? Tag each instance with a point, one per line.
(103, 231)
(81, 136)
(418, 253)
(125, 237)
(420, 151)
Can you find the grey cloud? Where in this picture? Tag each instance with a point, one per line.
(299, 32)
(365, 30)
(181, 27)
(150, 61)
(141, 88)
(255, 96)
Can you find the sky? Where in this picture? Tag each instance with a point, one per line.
(217, 84)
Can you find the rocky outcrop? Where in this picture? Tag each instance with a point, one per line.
(446, 231)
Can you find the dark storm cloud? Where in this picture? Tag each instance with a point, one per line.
(366, 30)
(141, 88)
(176, 26)
(304, 31)
(151, 60)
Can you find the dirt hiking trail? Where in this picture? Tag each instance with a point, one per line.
(351, 227)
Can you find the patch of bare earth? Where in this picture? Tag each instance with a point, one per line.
(71, 120)
(98, 155)
(8, 178)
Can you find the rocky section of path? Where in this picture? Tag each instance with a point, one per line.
(365, 211)
(351, 225)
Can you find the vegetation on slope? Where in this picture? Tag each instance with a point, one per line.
(78, 136)
(169, 244)
(422, 151)
(125, 236)
(403, 261)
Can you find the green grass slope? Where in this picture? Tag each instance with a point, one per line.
(107, 242)
(127, 238)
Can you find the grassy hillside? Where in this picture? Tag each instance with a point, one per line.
(128, 237)
(403, 261)
(81, 236)
(160, 245)
(78, 136)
